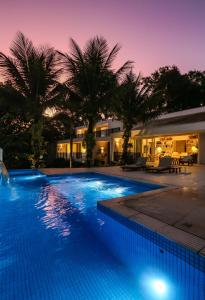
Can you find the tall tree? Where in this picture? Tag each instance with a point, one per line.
(14, 137)
(197, 79)
(68, 115)
(177, 91)
(92, 80)
(32, 73)
(134, 105)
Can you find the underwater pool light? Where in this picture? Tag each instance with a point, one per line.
(156, 288)
(159, 287)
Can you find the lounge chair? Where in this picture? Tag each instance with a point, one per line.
(140, 164)
(165, 164)
(186, 160)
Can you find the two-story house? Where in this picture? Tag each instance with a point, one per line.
(176, 134)
(103, 150)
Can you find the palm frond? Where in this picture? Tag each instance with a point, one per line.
(10, 72)
(76, 52)
(96, 51)
(127, 66)
(112, 55)
(11, 99)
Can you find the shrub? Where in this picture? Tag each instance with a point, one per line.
(63, 163)
(59, 163)
(17, 161)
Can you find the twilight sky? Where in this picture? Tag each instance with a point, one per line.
(152, 33)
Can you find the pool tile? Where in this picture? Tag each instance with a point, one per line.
(147, 221)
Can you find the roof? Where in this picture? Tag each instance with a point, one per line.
(194, 115)
(186, 112)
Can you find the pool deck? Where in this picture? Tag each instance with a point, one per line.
(176, 211)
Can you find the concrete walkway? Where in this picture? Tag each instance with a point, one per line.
(177, 211)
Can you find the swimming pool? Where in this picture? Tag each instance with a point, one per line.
(54, 244)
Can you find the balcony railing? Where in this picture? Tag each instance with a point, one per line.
(100, 133)
(66, 156)
(77, 155)
(80, 136)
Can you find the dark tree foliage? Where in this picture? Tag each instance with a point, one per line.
(177, 91)
(197, 79)
(92, 81)
(134, 104)
(14, 136)
(31, 74)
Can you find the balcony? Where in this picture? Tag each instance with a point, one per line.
(100, 133)
(66, 155)
(80, 136)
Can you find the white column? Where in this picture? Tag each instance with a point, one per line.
(1, 154)
(111, 149)
(138, 148)
(201, 154)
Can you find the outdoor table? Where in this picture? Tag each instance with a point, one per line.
(175, 169)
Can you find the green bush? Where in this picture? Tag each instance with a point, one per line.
(17, 161)
(59, 163)
(63, 163)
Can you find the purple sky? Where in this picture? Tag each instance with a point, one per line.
(152, 33)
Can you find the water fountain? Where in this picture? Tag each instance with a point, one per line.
(4, 175)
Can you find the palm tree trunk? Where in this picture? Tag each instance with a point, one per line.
(71, 150)
(90, 143)
(126, 137)
(37, 140)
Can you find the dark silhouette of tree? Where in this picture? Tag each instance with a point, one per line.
(92, 80)
(197, 79)
(68, 115)
(32, 73)
(134, 105)
(176, 91)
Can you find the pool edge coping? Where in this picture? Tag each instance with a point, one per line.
(188, 240)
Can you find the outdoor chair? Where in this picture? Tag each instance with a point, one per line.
(165, 164)
(186, 160)
(140, 164)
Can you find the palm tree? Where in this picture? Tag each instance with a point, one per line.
(92, 80)
(68, 115)
(133, 105)
(32, 73)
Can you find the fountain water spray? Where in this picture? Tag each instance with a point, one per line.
(4, 175)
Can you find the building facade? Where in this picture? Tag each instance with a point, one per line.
(103, 150)
(177, 134)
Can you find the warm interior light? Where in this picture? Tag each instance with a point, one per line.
(159, 150)
(83, 150)
(117, 142)
(50, 112)
(194, 149)
(102, 149)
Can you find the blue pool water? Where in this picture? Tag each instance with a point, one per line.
(55, 245)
